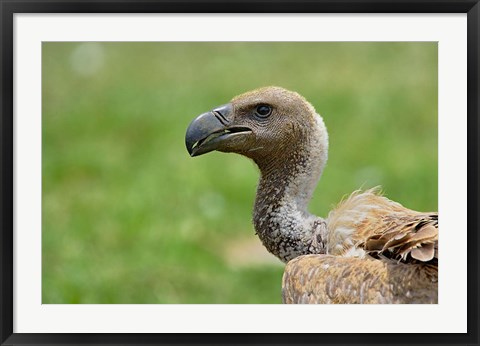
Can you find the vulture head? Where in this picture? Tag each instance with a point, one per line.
(266, 125)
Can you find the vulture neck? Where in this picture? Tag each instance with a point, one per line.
(286, 185)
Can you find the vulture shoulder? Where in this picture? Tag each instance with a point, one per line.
(367, 223)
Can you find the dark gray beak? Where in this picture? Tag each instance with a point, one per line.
(206, 132)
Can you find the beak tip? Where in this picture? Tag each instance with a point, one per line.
(190, 149)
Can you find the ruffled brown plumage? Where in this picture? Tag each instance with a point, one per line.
(382, 228)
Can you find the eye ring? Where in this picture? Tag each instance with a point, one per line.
(263, 111)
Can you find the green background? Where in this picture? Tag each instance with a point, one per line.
(129, 217)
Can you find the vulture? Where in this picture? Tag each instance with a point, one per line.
(368, 249)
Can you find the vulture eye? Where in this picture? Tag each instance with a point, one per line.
(263, 111)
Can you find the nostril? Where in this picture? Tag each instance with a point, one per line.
(220, 117)
(218, 111)
(224, 112)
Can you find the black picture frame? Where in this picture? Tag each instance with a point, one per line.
(10, 7)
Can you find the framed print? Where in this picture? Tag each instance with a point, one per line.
(113, 234)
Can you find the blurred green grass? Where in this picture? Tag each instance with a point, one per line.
(129, 217)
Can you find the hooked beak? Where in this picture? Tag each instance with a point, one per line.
(210, 130)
